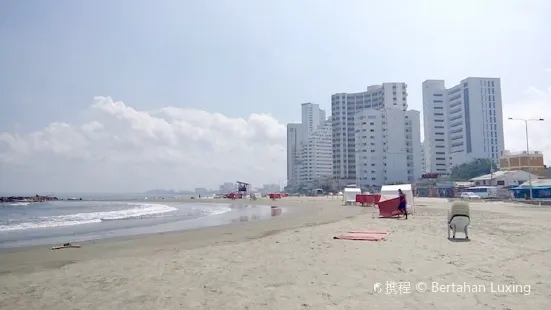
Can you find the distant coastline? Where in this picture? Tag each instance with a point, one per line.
(36, 198)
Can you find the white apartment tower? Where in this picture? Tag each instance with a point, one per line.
(388, 146)
(462, 123)
(294, 142)
(312, 118)
(423, 167)
(309, 147)
(316, 158)
(435, 120)
(388, 99)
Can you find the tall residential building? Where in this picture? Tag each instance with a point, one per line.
(462, 123)
(388, 146)
(308, 145)
(435, 120)
(294, 141)
(312, 118)
(316, 157)
(423, 167)
(344, 107)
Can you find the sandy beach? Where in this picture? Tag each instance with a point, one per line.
(293, 262)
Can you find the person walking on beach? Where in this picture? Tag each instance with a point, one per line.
(403, 204)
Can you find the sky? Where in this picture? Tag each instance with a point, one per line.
(130, 95)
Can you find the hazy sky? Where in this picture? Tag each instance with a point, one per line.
(207, 86)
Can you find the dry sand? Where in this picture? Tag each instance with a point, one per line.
(293, 262)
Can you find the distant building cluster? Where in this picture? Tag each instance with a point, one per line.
(372, 138)
(232, 187)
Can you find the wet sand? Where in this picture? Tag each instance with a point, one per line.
(185, 215)
(293, 262)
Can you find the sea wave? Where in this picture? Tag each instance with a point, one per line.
(139, 211)
(16, 204)
(210, 210)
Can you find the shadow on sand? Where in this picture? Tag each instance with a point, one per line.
(459, 240)
(391, 218)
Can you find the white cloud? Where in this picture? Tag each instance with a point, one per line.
(536, 105)
(120, 148)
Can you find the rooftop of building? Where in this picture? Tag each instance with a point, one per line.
(507, 153)
(441, 82)
(481, 78)
(498, 174)
(537, 183)
(493, 175)
(434, 81)
(370, 88)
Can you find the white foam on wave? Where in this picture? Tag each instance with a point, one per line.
(208, 210)
(140, 210)
(18, 204)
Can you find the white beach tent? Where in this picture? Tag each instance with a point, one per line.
(391, 191)
(349, 195)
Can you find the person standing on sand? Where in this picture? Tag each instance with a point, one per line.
(403, 204)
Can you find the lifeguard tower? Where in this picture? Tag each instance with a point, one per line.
(243, 188)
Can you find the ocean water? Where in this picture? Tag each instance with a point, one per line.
(23, 224)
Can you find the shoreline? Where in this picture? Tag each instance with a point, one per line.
(234, 232)
(231, 219)
(294, 263)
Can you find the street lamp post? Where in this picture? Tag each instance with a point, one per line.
(528, 147)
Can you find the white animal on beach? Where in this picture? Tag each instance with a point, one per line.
(459, 218)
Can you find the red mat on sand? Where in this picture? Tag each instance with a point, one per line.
(364, 235)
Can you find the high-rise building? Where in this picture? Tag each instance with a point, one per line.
(312, 118)
(309, 147)
(388, 146)
(423, 167)
(435, 121)
(462, 123)
(294, 141)
(344, 107)
(316, 157)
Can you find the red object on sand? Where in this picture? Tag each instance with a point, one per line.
(368, 199)
(360, 198)
(275, 196)
(389, 207)
(376, 197)
(233, 196)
